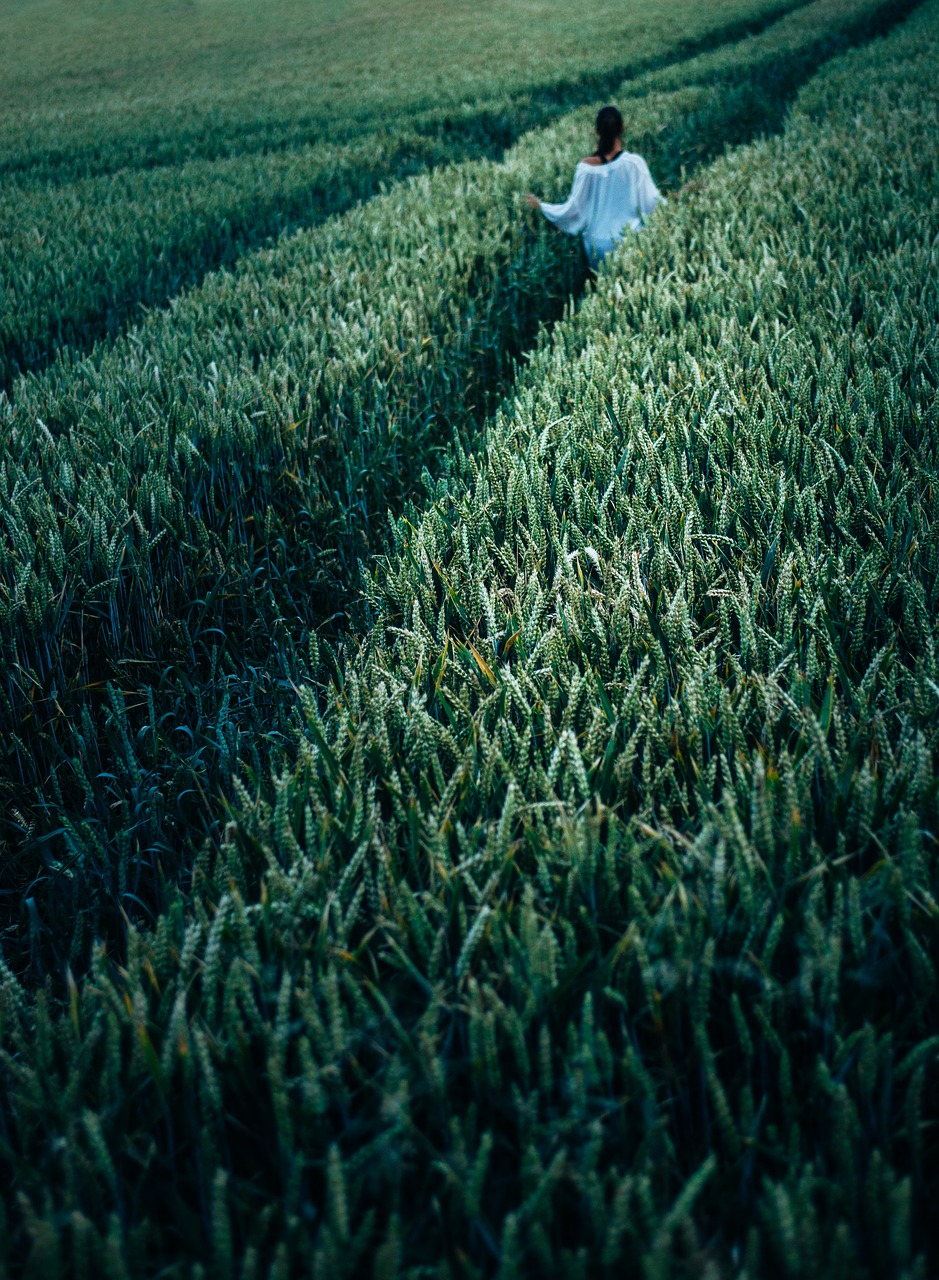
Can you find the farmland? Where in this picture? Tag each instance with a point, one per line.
(205, 158)
(470, 733)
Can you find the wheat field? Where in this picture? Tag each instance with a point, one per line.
(468, 788)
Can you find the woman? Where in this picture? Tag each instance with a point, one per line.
(612, 190)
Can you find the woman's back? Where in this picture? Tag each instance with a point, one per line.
(607, 198)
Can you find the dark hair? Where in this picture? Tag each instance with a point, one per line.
(609, 128)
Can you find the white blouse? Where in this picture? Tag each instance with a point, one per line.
(606, 199)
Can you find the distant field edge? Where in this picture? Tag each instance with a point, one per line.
(488, 130)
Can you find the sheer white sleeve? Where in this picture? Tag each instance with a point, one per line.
(571, 216)
(648, 193)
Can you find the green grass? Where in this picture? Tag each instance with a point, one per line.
(587, 923)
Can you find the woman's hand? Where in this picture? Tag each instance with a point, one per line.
(533, 201)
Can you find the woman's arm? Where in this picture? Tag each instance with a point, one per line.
(571, 215)
(648, 193)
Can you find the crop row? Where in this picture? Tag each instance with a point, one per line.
(592, 925)
(181, 509)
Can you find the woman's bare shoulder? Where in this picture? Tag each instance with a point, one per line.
(591, 160)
